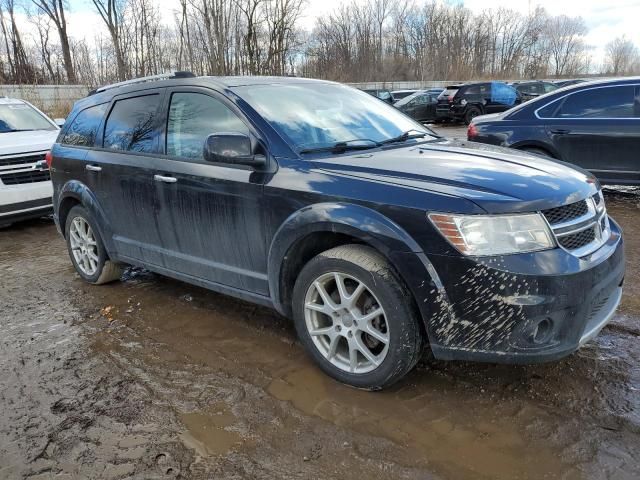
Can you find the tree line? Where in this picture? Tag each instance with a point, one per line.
(379, 40)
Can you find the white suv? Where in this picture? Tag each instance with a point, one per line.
(26, 135)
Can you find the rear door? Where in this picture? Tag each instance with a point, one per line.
(211, 215)
(122, 169)
(598, 129)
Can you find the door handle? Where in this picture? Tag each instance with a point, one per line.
(560, 131)
(93, 168)
(165, 179)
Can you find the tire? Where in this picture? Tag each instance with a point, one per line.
(398, 324)
(96, 268)
(537, 151)
(471, 113)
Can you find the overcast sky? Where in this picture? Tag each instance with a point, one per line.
(605, 19)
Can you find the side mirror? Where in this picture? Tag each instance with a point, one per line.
(59, 122)
(234, 148)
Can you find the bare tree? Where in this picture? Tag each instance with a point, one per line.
(622, 57)
(55, 10)
(565, 36)
(112, 13)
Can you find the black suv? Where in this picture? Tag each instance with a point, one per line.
(375, 235)
(465, 102)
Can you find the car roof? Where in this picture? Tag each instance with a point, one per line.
(10, 101)
(105, 94)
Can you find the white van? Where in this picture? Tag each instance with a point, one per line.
(26, 134)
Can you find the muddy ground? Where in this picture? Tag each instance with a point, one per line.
(150, 378)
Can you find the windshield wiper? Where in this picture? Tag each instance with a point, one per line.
(18, 130)
(340, 147)
(405, 136)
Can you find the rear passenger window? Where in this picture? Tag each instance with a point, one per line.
(132, 124)
(192, 118)
(611, 102)
(84, 128)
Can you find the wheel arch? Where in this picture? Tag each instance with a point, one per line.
(75, 193)
(317, 228)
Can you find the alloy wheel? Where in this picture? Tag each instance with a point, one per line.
(346, 322)
(84, 246)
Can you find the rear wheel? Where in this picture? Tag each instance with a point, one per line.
(86, 249)
(472, 112)
(355, 319)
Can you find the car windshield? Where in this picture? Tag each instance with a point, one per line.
(320, 115)
(20, 117)
(407, 99)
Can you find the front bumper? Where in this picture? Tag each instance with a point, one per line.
(20, 202)
(526, 308)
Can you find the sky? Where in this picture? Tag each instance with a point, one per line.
(606, 19)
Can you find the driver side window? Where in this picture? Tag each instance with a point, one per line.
(192, 118)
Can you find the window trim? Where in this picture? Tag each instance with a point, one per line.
(161, 92)
(597, 87)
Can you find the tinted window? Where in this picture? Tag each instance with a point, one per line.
(611, 102)
(192, 118)
(84, 128)
(472, 90)
(132, 124)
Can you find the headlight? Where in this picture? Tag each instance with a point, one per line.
(494, 234)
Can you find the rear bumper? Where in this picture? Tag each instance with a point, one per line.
(525, 309)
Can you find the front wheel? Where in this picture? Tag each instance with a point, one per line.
(354, 317)
(86, 249)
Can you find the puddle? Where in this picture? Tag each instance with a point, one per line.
(208, 432)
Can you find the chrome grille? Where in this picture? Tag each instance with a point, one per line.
(21, 160)
(580, 227)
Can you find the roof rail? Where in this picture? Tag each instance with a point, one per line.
(151, 78)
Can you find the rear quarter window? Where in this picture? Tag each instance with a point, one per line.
(83, 130)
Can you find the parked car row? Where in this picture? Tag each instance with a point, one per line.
(463, 102)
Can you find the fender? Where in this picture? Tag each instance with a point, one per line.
(372, 228)
(83, 194)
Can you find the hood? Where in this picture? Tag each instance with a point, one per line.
(12, 143)
(498, 180)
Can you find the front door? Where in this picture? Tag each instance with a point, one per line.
(599, 130)
(211, 215)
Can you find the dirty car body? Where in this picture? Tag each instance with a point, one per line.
(248, 230)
